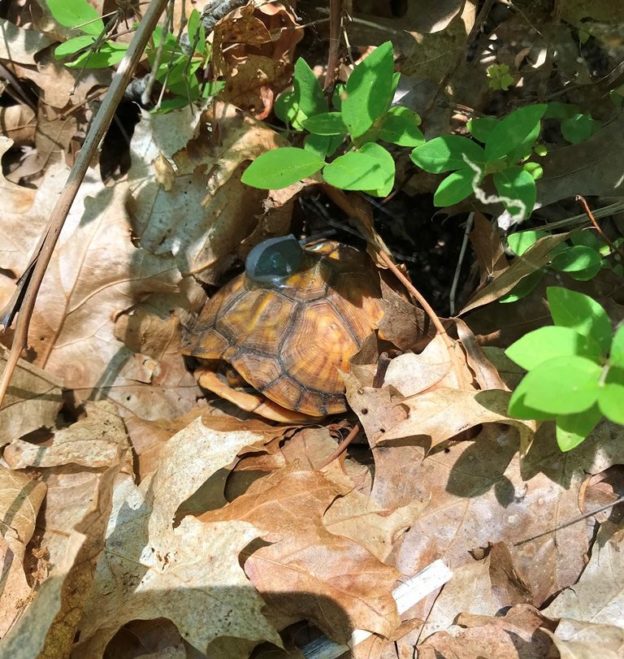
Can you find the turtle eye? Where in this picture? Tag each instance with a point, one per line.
(274, 259)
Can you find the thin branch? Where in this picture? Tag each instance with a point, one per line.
(43, 252)
(585, 206)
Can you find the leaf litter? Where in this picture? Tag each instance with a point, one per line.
(133, 509)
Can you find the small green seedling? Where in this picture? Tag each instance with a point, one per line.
(90, 49)
(499, 77)
(342, 140)
(582, 256)
(177, 68)
(575, 368)
(507, 145)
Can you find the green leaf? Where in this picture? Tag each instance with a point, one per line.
(454, 188)
(520, 241)
(523, 288)
(77, 14)
(579, 127)
(323, 145)
(587, 237)
(286, 108)
(534, 169)
(369, 90)
(616, 353)
(196, 32)
(556, 110)
(446, 153)
(581, 313)
(611, 396)
(326, 123)
(357, 171)
(308, 93)
(109, 54)
(72, 46)
(279, 168)
(572, 429)
(386, 162)
(400, 126)
(545, 343)
(518, 407)
(518, 186)
(562, 385)
(576, 259)
(515, 131)
(482, 127)
(338, 95)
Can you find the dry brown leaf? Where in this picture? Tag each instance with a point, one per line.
(32, 401)
(598, 596)
(27, 638)
(359, 517)
(15, 198)
(517, 634)
(488, 248)
(587, 640)
(96, 441)
(95, 275)
(482, 493)
(536, 257)
(20, 499)
(206, 214)
(309, 573)
(253, 52)
(17, 123)
(411, 374)
(20, 45)
(188, 574)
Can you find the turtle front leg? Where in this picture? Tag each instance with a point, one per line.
(254, 403)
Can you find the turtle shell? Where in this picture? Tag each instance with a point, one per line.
(290, 339)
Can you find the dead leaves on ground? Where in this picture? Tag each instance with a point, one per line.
(149, 522)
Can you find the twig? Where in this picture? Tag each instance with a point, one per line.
(460, 260)
(585, 206)
(335, 26)
(580, 518)
(342, 447)
(43, 252)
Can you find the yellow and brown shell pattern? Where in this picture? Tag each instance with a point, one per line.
(289, 339)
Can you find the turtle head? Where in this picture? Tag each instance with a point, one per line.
(272, 260)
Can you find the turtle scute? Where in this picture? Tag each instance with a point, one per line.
(290, 340)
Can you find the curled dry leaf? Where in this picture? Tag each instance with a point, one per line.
(308, 572)
(18, 124)
(188, 573)
(253, 51)
(536, 257)
(488, 248)
(32, 401)
(20, 499)
(206, 212)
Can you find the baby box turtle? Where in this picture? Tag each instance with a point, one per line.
(288, 325)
